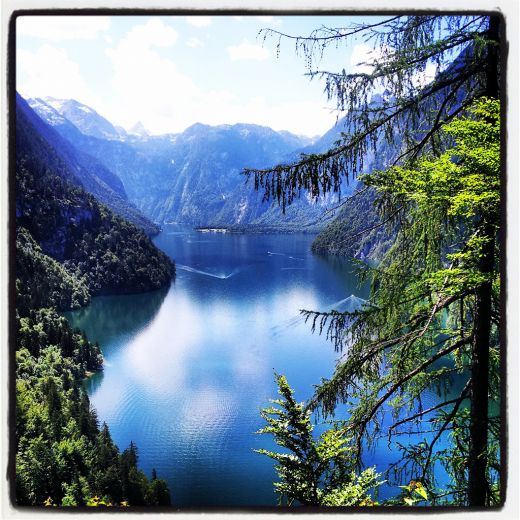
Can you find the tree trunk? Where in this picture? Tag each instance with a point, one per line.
(477, 460)
(477, 478)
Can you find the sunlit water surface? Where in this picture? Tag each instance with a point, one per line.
(187, 369)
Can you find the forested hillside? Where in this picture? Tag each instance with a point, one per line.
(70, 247)
(357, 230)
(63, 456)
(42, 143)
(71, 226)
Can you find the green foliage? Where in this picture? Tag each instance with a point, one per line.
(108, 254)
(62, 457)
(42, 281)
(103, 251)
(45, 327)
(61, 453)
(69, 247)
(158, 493)
(115, 258)
(313, 472)
(413, 494)
(420, 328)
(357, 231)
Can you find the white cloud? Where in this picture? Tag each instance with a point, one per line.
(50, 72)
(141, 77)
(307, 118)
(144, 80)
(154, 33)
(167, 100)
(149, 86)
(59, 28)
(247, 51)
(199, 21)
(423, 78)
(194, 42)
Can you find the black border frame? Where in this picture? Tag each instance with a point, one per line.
(11, 341)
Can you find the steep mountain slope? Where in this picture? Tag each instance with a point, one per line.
(195, 177)
(356, 230)
(62, 156)
(203, 182)
(98, 248)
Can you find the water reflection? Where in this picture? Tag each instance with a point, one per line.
(110, 318)
(188, 369)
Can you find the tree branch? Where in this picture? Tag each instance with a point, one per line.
(424, 412)
(454, 410)
(400, 382)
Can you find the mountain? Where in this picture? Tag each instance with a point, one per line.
(201, 184)
(139, 130)
(101, 250)
(357, 230)
(83, 169)
(85, 118)
(195, 177)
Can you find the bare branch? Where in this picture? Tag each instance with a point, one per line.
(454, 410)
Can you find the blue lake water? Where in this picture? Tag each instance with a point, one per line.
(187, 369)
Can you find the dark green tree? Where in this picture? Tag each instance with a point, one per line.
(423, 322)
(434, 307)
(314, 472)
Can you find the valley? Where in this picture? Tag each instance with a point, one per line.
(194, 177)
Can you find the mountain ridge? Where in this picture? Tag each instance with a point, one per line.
(172, 176)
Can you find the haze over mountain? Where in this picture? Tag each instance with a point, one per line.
(193, 177)
(82, 169)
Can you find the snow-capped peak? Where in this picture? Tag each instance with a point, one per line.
(139, 129)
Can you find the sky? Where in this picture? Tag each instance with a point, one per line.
(169, 72)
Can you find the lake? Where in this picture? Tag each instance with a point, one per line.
(187, 369)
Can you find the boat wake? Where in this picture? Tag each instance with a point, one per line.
(220, 276)
(270, 253)
(349, 304)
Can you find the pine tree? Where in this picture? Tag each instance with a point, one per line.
(412, 110)
(315, 472)
(434, 308)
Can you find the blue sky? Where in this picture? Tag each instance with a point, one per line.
(170, 72)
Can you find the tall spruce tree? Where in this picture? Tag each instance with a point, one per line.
(434, 308)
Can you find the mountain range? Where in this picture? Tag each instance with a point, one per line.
(193, 177)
